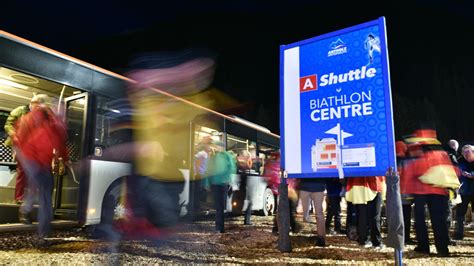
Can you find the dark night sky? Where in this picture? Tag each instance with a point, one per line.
(430, 46)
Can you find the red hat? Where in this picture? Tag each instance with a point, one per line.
(423, 136)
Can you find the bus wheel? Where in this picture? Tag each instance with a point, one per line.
(120, 211)
(268, 202)
(113, 209)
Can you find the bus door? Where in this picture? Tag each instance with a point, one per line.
(66, 193)
(203, 134)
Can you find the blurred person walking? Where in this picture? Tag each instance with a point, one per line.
(293, 192)
(244, 161)
(312, 189)
(271, 173)
(161, 130)
(429, 177)
(466, 166)
(201, 158)
(272, 176)
(41, 136)
(161, 94)
(221, 166)
(11, 125)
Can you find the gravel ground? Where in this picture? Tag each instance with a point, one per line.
(198, 243)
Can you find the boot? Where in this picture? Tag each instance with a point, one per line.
(459, 235)
(295, 228)
(25, 218)
(320, 241)
(337, 225)
(275, 230)
(248, 214)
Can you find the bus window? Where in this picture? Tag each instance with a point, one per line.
(255, 168)
(236, 144)
(6, 153)
(203, 137)
(75, 123)
(112, 125)
(246, 153)
(204, 134)
(265, 153)
(7, 174)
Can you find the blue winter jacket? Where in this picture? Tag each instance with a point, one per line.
(467, 184)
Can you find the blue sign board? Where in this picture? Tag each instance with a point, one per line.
(336, 107)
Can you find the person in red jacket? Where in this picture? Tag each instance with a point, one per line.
(427, 179)
(272, 171)
(272, 176)
(43, 136)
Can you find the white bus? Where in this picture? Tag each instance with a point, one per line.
(96, 112)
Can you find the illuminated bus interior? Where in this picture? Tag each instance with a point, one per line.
(16, 89)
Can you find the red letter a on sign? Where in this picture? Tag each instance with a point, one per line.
(309, 83)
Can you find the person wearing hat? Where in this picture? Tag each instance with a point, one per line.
(429, 177)
(11, 129)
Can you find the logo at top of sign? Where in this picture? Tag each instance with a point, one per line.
(309, 83)
(337, 47)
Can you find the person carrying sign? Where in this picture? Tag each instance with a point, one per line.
(312, 189)
(366, 193)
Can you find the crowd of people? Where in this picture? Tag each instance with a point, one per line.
(435, 182)
(433, 179)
